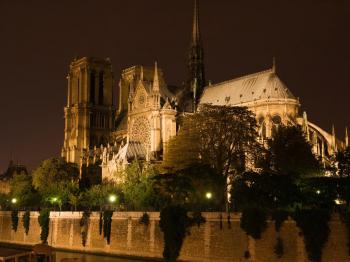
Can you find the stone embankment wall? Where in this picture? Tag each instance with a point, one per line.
(216, 240)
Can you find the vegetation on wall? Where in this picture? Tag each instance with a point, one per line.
(314, 226)
(107, 225)
(44, 221)
(174, 223)
(279, 249)
(14, 219)
(144, 219)
(254, 221)
(84, 224)
(26, 221)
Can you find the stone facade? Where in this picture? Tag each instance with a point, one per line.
(90, 111)
(209, 242)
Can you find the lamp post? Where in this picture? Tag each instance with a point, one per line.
(112, 199)
(208, 196)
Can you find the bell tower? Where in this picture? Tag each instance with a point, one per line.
(90, 111)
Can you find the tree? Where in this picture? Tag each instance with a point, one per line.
(138, 185)
(291, 154)
(221, 136)
(97, 196)
(343, 159)
(55, 179)
(23, 191)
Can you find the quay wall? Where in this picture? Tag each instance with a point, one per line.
(219, 240)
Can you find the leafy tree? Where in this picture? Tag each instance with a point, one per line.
(23, 191)
(137, 185)
(291, 154)
(97, 196)
(273, 191)
(55, 179)
(343, 159)
(221, 137)
(173, 189)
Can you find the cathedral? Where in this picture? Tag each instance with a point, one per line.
(112, 123)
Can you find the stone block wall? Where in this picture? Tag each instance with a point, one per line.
(216, 240)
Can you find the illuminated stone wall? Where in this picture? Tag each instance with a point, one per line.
(214, 241)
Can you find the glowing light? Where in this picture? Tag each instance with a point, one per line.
(318, 192)
(112, 198)
(339, 201)
(54, 199)
(208, 195)
(14, 200)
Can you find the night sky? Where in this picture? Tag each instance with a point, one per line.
(39, 38)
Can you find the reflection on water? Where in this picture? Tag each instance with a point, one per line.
(79, 257)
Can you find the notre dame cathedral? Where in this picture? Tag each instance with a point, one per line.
(113, 124)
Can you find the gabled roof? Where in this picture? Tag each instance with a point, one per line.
(264, 85)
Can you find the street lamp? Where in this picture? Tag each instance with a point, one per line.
(14, 200)
(208, 195)
(112, 199)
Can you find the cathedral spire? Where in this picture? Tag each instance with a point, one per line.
(155, 86)
(195, 59)
(195, 27)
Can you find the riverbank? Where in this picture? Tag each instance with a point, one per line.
(220, 239)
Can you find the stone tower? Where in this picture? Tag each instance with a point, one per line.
(90, 111)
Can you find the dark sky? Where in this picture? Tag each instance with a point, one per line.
(39, 38)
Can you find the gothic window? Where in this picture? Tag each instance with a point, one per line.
(100, 88)
(141, 130)
(92, 87)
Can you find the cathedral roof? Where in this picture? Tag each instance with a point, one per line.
(132, 150)
(264, 85)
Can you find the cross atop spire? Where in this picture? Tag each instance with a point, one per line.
(195, 29)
